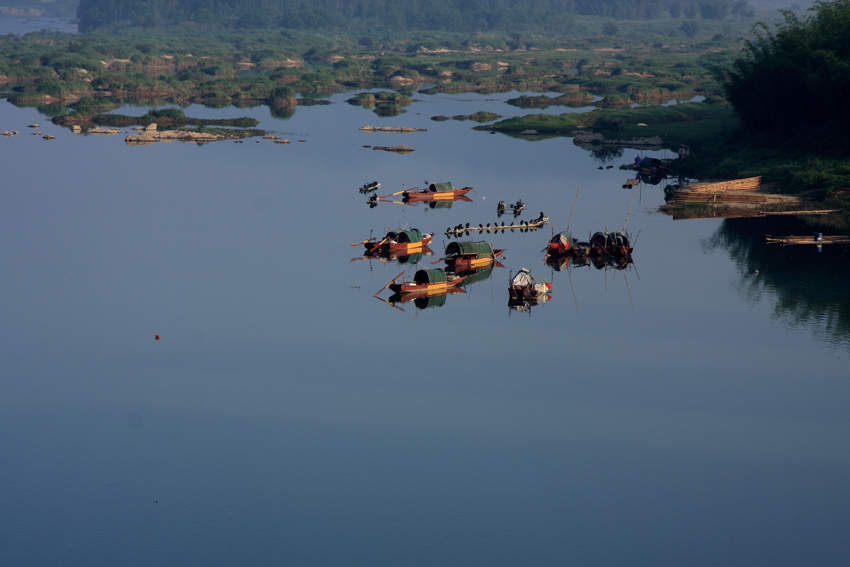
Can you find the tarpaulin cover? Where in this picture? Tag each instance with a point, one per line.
(479, 249)
(434, 187)
(412, 235)
(430, 276)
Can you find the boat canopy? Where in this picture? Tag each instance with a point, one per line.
(479, 249)
(564, 238)
(435, 187)
(412, 235)
(523, 278)
(600, 240)
(618, 239)
(430, 276)
(609, 239)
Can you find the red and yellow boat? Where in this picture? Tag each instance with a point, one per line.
(437, 192)
(469, 255)
(427, 282)
(400, 243)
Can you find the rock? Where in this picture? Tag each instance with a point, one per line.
(49, 137)
(394, 129)
(76, 129)
(151, 127)
(397, 149)
(104, 131)
(148, 137)
(281, 141)
(33, 126)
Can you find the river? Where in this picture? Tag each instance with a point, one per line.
(688, 410)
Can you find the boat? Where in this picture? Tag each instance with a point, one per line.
(427, 282)
(561, 244)
(469, 255)
(524, 292)
(436, 192)
(523, 287)
(615, 244)
(400, 242)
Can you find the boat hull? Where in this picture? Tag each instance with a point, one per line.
(423, 290)
(414, 196)
(459, 264)
(401, 248)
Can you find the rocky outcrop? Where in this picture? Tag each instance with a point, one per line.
(396, 149)
(151, 136)
(394, 129)
(103, 131)
(592, 140)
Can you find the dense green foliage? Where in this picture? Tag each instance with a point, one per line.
(796, 81)
(395, 15)
(687, 124)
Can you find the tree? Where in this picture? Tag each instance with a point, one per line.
(796, 81)
(689, 28)
(741, 9)
(675, 9)
(713, 9)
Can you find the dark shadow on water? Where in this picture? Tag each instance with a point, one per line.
(810, 287)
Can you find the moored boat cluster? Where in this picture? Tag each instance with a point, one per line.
(469, 261)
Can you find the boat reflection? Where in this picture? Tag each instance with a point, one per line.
(424, 289)
(563, 262)
(423, 300)
(395, 256)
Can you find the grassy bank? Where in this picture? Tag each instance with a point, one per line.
(690, 124)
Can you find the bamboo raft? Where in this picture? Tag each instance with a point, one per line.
(747, 184)
(528, 225)
(786, 240)
(745, 214)
(706, 197)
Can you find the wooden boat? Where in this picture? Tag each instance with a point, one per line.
(523, 287)
(614, 244)
(516, 209)
(817, 238)
(561, 244)
(401, 242)
(436, 192)
(427, 282)
(469, 255)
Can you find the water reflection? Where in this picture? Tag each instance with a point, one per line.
(809, 286)
(399, 257)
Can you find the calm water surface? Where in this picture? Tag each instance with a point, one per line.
(23, 26)
(690, 410)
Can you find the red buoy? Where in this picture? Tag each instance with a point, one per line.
(156, 337)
